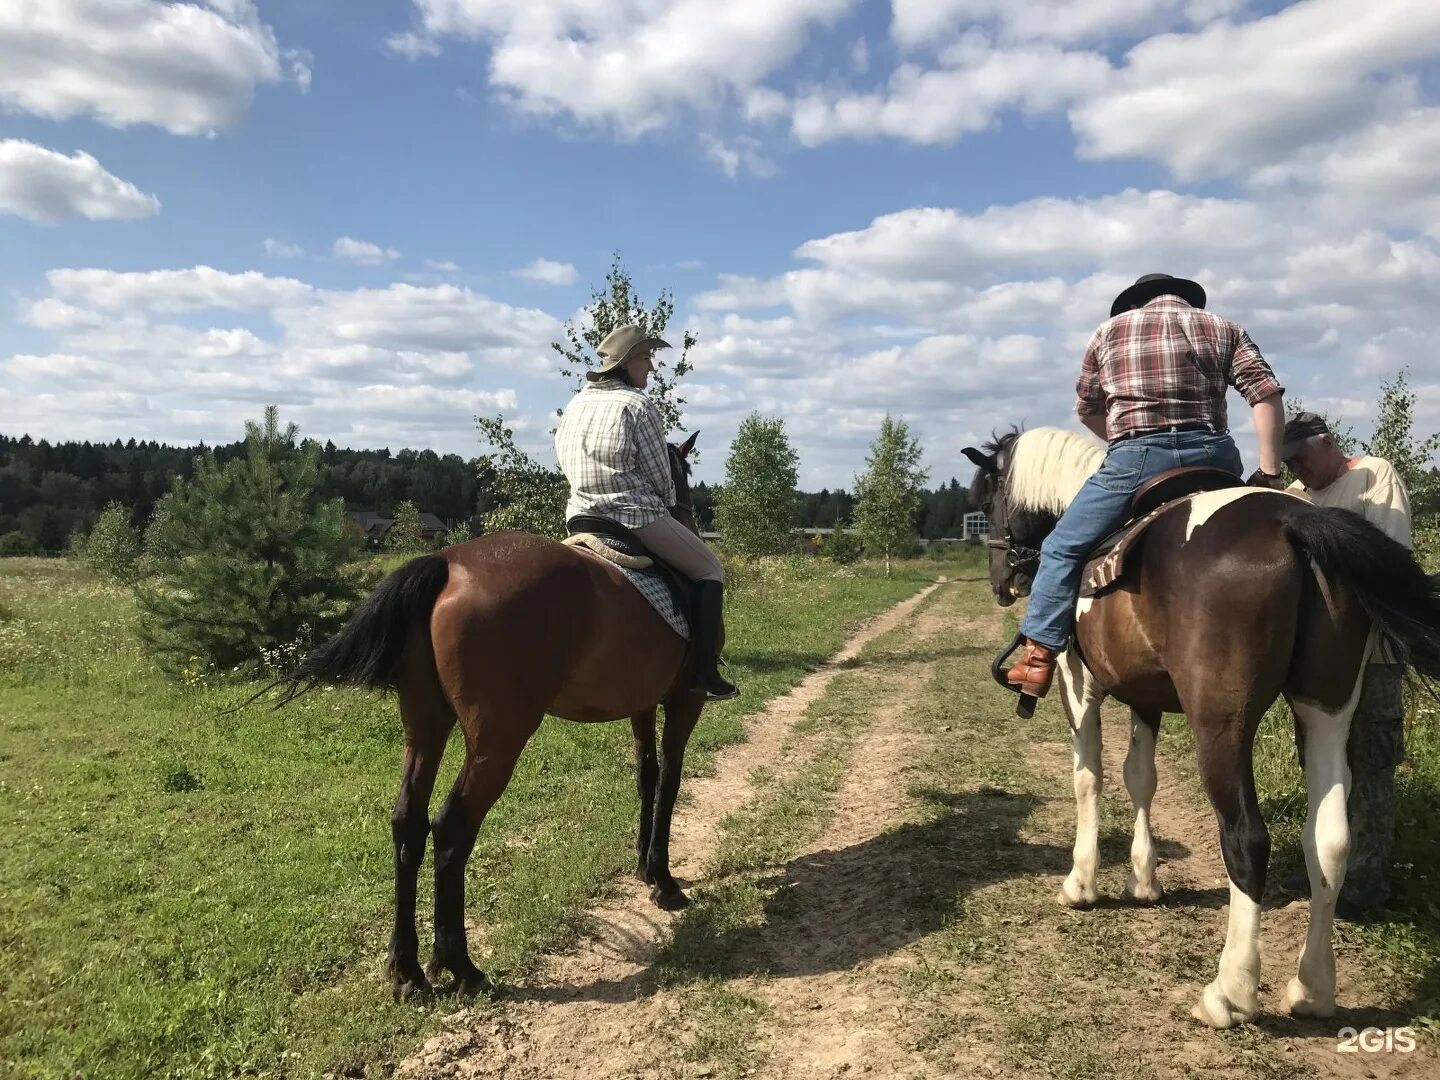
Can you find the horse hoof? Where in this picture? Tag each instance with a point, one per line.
(671, 899)
(1076, 896)
(408, 982)
(1216, 1010)
(473, 983)
(1144, 894)
(1300, 1002)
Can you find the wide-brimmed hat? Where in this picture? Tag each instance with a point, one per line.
(1299, 428)
(1149, 286)
(619, 344)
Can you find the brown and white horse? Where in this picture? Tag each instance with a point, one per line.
(493, 634)
(1245, 595)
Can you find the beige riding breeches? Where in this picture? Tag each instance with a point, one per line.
(677, 546)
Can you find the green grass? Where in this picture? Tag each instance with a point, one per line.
(184, 894)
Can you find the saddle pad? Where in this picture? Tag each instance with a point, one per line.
(654, 586)
(1107, 563)
(608, 552)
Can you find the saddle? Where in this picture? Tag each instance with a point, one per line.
(618, 544)
(1154, 498)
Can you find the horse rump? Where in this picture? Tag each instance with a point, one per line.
(367, 649)
(1392, 588)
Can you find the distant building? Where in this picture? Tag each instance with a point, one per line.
(373, 527)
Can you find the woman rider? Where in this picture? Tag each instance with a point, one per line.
(611, 447)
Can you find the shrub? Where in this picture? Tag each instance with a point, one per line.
(113, 547)
(247, 558)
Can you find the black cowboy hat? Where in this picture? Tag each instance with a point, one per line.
(1149, 286)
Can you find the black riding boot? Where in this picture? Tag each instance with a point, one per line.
(709, 608)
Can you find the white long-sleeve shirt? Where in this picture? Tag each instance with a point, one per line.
(611, 447)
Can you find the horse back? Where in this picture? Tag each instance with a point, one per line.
(562, 631)
(1221, 595)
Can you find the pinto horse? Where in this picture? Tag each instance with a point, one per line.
(494, 634)
(1244, 595)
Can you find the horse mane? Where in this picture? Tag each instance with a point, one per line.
(1047, 467)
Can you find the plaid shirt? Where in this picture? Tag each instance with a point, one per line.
(611, 447)
(1168, 363)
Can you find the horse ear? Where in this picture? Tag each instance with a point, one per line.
(981, 461)
(689, 444)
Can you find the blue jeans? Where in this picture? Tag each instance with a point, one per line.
(1099, 509)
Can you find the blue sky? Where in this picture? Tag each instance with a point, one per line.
(921, 206)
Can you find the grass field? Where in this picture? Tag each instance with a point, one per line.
(185, 894)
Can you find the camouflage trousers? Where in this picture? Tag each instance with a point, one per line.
(1375, 748)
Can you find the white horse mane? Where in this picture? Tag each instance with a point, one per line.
(1047, 468)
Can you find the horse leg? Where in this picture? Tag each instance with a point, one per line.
(647, 769)
(409, 829)
(1326, 840)
(489, 763)
(1140, 783)
(1082, 699)
(681, 713)
(427, 719)
(1225, 738)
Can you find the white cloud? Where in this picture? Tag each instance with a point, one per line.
(199, 288)
(627, 64)
(547, 272)
(443, 266)
(741, 153)
(401, 365)
(189, 68)
(1234, 97)
(279, 249)
(362, 252)
(917, 23)
(938, 105)
(45, 186)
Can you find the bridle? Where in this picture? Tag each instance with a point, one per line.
(1018, 558)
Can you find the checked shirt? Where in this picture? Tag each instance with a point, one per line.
(1168, 363)
(611, 447)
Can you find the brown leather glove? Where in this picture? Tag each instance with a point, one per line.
(1266, 480)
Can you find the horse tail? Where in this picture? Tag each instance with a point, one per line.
(1393, 589)
(367, 649)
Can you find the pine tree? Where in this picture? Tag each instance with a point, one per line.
(113, 546)
(755, 510)
(404, 536)
(248, 560)
(887, 496)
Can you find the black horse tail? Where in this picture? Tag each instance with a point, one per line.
(1401, 599)
(367, 649)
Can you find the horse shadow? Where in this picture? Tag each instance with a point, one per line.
(833, 910)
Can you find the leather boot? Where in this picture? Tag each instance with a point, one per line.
(709, 609)
(1034, 671)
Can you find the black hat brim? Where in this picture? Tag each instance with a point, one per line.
(1142, 292)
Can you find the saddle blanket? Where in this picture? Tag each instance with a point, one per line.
(653, 583)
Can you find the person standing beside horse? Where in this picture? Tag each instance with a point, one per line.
(611, 448)
(1370, 487)
(1152, 385)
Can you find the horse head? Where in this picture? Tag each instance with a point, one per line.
(683, 511)
(1015, 532)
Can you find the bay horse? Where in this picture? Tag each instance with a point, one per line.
(1242, 596)
(494, 634)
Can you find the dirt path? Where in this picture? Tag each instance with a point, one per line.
(912, 932)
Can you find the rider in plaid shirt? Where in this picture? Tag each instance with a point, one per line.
(1152, 385)
(611, 447)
